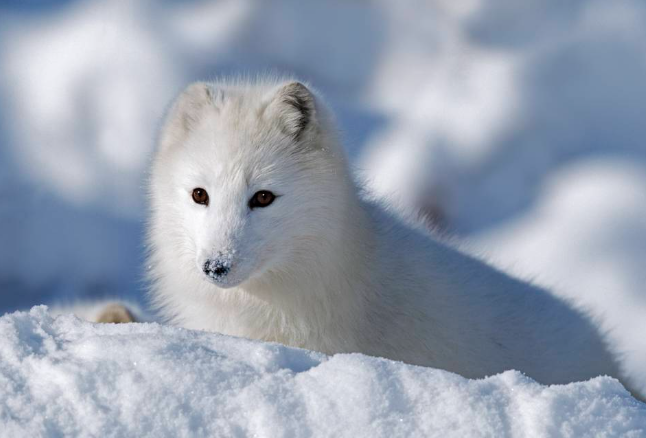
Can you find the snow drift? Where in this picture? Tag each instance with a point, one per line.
(64, 377)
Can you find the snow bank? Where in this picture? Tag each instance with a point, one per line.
(67, 377)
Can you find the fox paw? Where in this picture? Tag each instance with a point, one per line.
(115, 314)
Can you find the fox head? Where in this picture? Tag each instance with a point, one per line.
(245, 179)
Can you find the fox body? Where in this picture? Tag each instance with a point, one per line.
(318, 265)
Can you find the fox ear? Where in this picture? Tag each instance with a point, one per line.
(294, 106)
(187, 110)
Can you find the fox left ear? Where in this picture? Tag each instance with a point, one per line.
(293, 105)
(187, 111)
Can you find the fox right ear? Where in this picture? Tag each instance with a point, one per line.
(293, 105)
(187, 111)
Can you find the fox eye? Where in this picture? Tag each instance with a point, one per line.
(261, 199)
(200, 196)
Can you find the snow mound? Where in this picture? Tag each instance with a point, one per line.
(67, 377)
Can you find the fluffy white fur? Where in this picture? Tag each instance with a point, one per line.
(322, 267)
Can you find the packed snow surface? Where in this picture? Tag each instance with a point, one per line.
(67, 377)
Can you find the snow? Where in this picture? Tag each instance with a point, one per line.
(518, 127)
(67, 377)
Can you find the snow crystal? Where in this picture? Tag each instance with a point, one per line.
(218, 268)
(68, 377)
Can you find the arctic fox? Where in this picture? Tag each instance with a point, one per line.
(258, 229)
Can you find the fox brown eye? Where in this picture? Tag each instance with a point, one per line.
(200, 196)
(261, 199)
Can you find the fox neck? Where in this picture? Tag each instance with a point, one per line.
(321, 297)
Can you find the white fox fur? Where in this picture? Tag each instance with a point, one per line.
(322, 267)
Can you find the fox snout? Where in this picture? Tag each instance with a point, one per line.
(217, 268)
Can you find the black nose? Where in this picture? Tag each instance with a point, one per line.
(216, 268)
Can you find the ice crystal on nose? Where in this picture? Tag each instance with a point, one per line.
(218, 268)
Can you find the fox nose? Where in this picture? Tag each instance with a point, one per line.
(217, 268)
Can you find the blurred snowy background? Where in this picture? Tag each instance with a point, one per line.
(519, 127)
